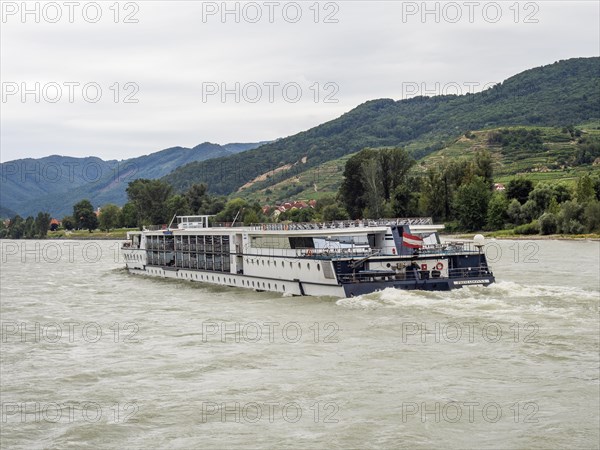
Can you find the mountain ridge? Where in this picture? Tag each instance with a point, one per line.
(536, 96)
(54, 183)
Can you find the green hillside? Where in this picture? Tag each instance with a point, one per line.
(537, 97)
(540, 153)
(554, 153)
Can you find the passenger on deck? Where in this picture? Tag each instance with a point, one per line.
(413, 265)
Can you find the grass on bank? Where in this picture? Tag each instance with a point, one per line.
(118, 233)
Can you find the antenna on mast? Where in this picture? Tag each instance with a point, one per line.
(171, 222)
(236, 216)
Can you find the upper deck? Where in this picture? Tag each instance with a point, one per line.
(203, 222)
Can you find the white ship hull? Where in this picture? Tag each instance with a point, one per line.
(339, 260)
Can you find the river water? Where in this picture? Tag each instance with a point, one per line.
(95, 358)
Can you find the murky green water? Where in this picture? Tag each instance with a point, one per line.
(95, 358)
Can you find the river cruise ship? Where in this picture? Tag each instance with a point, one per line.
(341, 258)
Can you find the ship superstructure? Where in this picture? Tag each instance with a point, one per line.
(340, 258)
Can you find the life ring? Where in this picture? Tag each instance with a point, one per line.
(439, 266)
(309, 252)
(423, 266)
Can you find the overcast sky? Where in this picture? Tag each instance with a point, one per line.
(181, 73)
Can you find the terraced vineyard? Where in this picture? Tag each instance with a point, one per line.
(539, 153)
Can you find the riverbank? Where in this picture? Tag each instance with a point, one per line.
(508, 235)
(119, 233)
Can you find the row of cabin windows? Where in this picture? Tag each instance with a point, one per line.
(258, 263)
(231, 281)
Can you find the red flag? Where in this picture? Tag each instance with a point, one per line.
(412, 241)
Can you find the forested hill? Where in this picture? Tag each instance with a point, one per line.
(566, 92)
(55, 183)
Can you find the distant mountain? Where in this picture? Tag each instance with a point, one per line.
(566, 92)
(5, 212)
(55, 183)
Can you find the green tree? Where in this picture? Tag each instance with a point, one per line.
(548, 223)
(591, 216)
(514, 212)
(109, 217)
(529, 211)
(197, 198)
(29, 229)
(177, 205)
(585, 189)
(334, 212)
(553, 206)
(299, 215)
(541, 196)
(370, 178)
(372, 182)
(562, 192)
(597, 187)
(128, 216)
(84, 216)
(496, 215)
(471, 204)
(519, 188)
(484, 166)
(42, 224)
(16, 228)
(149, 198)
(394, 164)
(352, 189)
(570, 217)
(434, 194)
(405, 199)
(68, 223)
(231, 210)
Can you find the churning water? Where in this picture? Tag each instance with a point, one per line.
(93, 357)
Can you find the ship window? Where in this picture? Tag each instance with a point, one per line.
(301, 242)
(284, 288)
(299, 266)
(319, 267)
(269, 285)
(275, 286)
(291, 266)
(253, 284)
(308, 266)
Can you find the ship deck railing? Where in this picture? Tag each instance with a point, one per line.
(407, 275)
(333, 253)
(299, 226)
(340, 224)
(440, 250)
(450, 248)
